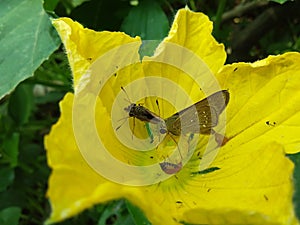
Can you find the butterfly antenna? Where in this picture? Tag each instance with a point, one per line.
(156, 101)
(128, 99)
(122, 123)
(124, 118)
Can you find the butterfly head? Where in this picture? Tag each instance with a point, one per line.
(130, 108)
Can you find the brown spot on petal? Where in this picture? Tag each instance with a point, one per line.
(221, 139)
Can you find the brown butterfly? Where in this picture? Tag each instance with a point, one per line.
(200, 117)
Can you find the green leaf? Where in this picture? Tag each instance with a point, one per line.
(137, 214)
(10, 216)
(7, 176)
(115, 213)
(296, 159)
(101, 15)
(76, 3)
(50, 5)
(27, 39)
(279, 1)
(11, 149)
(49, 97)
(146, 20)
(21, 104)
(148, 47)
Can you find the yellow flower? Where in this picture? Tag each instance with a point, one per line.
(250, 181)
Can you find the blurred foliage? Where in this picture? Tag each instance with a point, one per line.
(27, 37)
(250, 30)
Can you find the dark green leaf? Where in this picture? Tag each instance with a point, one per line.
(49, 97)
(21, 104)
(27, 39)
(137, 214)
(50, 5)
(53, 74)
(146, 20)
(116, 214)
(75, 3)
(148, 47)
(10, 216)
(296, 159)
(101, 14)
(11, 149)
(7, 176)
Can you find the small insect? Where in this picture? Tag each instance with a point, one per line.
(272, 124)
(200, 117)
(170, 168)
(141, 113)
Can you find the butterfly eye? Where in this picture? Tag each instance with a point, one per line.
(163, 130)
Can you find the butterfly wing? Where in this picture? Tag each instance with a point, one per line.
(200, 117)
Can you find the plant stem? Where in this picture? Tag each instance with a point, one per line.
(218, 18)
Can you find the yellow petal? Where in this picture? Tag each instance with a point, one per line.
(84, 46)
(264, 104)
(192, 30)
(242, 191)
(190, 57)
(72, 184)
(245, 183)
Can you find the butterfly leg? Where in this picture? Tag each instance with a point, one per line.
(220, 138)
(133, 128)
